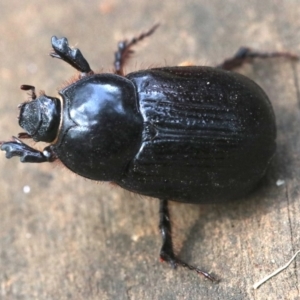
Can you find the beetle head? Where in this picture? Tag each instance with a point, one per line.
(40, 118)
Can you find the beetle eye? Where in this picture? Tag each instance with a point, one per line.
(40, 118)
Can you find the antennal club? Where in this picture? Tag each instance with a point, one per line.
(31, 88)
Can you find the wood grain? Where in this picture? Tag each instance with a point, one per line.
(70, 238)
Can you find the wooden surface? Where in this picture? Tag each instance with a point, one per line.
(70, 238)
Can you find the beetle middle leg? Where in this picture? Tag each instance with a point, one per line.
(124, 50)
(245, 54)
(167, 252)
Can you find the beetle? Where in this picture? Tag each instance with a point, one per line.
(191, 134)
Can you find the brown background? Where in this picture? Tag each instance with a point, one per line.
(70, 238)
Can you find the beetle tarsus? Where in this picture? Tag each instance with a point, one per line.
(26, 153)
(71, 56)
(245, 54)
(124, 50)
(196, 269)
(167, 251)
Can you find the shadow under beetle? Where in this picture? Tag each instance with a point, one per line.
(188, 134)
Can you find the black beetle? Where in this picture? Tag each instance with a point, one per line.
(188, 134)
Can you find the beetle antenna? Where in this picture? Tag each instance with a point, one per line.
(24, 135)
(31, 88)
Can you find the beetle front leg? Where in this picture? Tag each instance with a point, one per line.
(73, 57)
(167, 252)
(245, 55)
(26, 153)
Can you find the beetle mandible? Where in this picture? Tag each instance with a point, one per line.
(188, 134)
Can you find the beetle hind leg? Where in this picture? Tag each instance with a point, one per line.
(244, 55)
(167, 252)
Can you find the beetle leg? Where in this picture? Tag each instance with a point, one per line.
(245, 54)
(167, 252)
(26, 153)
(71, 56)
(124, 50)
